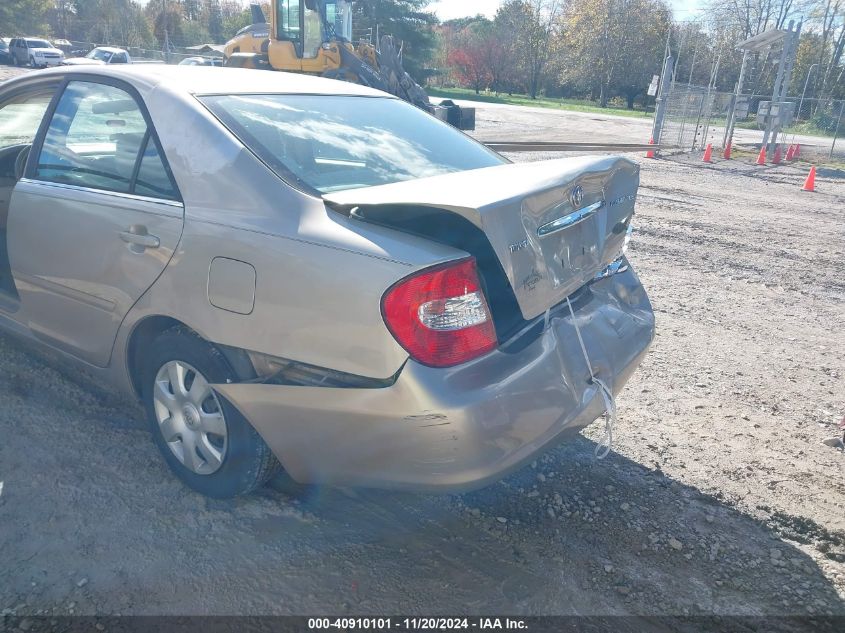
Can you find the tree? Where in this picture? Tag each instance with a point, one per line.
(167, 23)
(614, 46)
(405, 20)
(468, 56)
(215, 22)
(23, 17)
(534, 25)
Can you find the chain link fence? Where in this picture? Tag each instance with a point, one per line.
(175, 55)
(698, 115)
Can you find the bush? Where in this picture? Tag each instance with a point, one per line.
(826, 119)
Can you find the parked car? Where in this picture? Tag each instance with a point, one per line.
(66, 46)
(5, 55)
(36, 52)
(202, 61)
(100, 56)
(297, 271)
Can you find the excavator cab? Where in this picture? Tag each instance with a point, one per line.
(312, 24)
(315, 37)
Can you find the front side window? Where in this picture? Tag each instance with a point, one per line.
(95, 140)
(331, 143)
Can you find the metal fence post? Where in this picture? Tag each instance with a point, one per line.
(836, 132)
(806, 81)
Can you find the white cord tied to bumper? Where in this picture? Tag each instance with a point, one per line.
(603, 447)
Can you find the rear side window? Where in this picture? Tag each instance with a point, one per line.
(153, 180)
(98, 138)
(332, 143)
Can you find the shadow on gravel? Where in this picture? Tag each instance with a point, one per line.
(572, 535)
(93, 523)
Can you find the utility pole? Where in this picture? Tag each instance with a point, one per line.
(166, 32)
(729, 128)
(787, 61)
(661, 101)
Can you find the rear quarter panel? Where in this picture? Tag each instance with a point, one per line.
(319, 275)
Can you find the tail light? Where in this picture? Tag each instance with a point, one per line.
(440, 315)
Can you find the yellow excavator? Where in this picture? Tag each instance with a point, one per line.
(315, 37)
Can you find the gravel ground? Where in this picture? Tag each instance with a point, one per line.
(719, 497)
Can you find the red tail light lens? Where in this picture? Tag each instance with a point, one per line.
(440, 315)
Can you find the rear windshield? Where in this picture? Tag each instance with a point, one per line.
(331, 143)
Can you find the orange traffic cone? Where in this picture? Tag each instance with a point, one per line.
(790, 153)
(650, 153)
(776, 157)
(810, 183)
(727, 154)
(761, 159)
(797, 151)
(708, 153)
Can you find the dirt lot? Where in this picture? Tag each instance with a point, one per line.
(719, 496)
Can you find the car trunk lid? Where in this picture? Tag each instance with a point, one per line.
(553, 225)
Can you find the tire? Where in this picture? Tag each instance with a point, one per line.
(222, 465)
(32, 62)
(15, 61)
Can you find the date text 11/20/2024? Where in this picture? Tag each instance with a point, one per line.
(416, 624)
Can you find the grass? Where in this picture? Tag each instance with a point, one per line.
(573, 105)
(805, 127)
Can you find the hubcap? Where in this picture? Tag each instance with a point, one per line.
(190, 417)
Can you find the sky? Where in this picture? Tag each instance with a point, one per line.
(449, 9)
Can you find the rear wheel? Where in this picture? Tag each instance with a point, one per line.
(205, 441)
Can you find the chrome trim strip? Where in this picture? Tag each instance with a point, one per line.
(569, 220)
(103, 192)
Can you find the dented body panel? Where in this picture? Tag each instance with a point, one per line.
(460, 428)
(553, 225)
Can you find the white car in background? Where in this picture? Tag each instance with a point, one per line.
(100, 56)
(36, 52)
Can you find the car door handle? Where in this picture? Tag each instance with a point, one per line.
(137, 236)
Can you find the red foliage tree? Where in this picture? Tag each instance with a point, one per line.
(469, 60)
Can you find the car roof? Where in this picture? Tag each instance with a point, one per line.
(110, 49)
(200, 80)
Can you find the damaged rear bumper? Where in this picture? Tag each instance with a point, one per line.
(461, 428)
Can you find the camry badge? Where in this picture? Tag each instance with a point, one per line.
(518, 246)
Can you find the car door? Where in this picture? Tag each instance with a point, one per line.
(22, 109)
(15, 48)
(94, 221)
